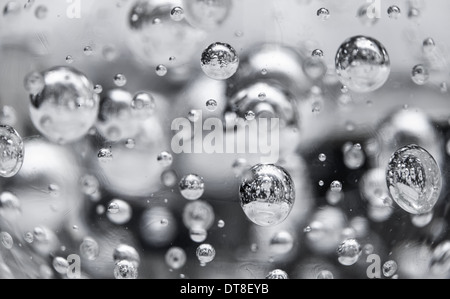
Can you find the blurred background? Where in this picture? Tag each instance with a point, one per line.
(109, 199)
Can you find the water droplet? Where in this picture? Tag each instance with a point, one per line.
(98, 89)
(389, 268)
(165, 159)
(175, 258)
(336, 186)
(11, 151)
(205, 253)
(220, 61)
(420, 74)
(349, 252)
(89, 249)
(211, 105)
(321, 183)
(394, 12)
(105, 155)
(161, 70)
(177, 14)
(198, 235)
(7, 240)
(192, 187)
(128, 253)
(323, 14)
(325, 274)
(143, 105)
(125, 270)
(198, 214)
(120, 80)
(277, 274)
(264, 72)
(61, 265)
(119, 212)
(267, 195)
(362, 64)
(414, 179)
(194, 116)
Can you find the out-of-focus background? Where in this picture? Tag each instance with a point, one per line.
(64, 192)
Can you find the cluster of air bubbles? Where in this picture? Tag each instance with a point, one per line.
(267, 194)
(277, 274)
(363, 64)
(219, 61)
(176, 258)
(12, 151)
(349, 252)
(192, 187)
(414, 179)
(205, 253)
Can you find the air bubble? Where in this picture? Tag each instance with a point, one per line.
(205, 253)
(61, 265)
(120, 80)
(176, 258)
(390, 268)
(192, 187)
(349, 252)
(394, 12)
(119, 212)
(420, 75)
(161, 70)
(219, 61)
(7, 240)
(277, 274)
(89, 249)
(125, 270)
(177, 14)
(165, 159)
(211, 105)
(12, 151)
(323, 14)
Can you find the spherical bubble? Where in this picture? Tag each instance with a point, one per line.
(414, 179)
(192, 187)
(366, 16)
(69, 59)
(177, 14)
(169, 178)
(420, 74)
(220, 61)
(362, 64)
(165, 159)
(354, 157)
(220, 224)
(143, 105)
(336, 186)
(394, 12)
(34, 83)
(98, 89)
(323, 14)
(61, 265)
(120, 80)
(281, 243)
(119, 212)
(198, 235)
(198, 214)
(66, 109)
(205, 253)
(349, 252)
(28, 237)
(161, 70)
(89, 184)
(7, 240)
(389, 268)
(315, 67)
(105, 155)
(194, 116)
(250, 115)
(118, 116)
(334, 197)
(317, 53)
(88, 51)
(12, 149)
(155, 233)
(89, 249)
(277, 274)
(175, 258)
(325, 274)
(440, 260)
(207, 14)
(125, 270)
(422, 220)
(211, 105)
(322, 157)
(267, 195)
(428, 45)
(128, 253)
